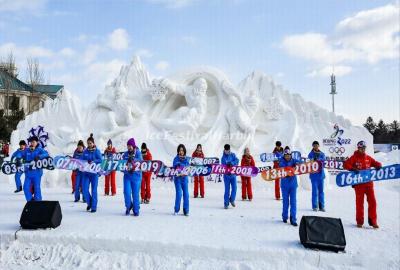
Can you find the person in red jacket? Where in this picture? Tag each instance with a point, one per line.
(278, 150)
(247, 160)
(110, 178)
(198, 180)
(145, 188)
(361, 161)
(6, 149)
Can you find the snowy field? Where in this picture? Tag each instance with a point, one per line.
(250, 236)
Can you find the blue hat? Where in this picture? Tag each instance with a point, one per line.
(109, 142)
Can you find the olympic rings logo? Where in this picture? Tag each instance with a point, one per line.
(338, 150)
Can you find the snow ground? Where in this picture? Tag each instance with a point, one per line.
(250, 236)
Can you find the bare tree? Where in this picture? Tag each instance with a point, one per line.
(7, 65)
(34, 73)
(35, 76)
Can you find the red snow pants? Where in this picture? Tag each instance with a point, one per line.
(277, 184)
(73, 180)
(198, 183)
(368, 190)
(110, 181)
(145, 189)
(247, 192)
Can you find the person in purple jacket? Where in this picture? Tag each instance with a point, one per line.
(132, 179)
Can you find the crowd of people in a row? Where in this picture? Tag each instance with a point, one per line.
(137, 182)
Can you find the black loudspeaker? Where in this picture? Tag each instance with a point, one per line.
(41, 215)
(322, 233)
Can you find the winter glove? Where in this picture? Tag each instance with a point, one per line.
(129, 160)
(356, 171)
(378, 167)
(36, 158)
(89, 161)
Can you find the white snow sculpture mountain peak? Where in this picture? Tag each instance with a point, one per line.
(199, 100)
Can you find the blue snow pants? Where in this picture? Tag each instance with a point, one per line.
(34, 178)
(181, 187)
(230, 184)
(289, 190)
(78, 184)
(18, 179)
(91, 179)
(318, 196)
(132, 185)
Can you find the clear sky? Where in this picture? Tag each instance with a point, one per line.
(82, 44)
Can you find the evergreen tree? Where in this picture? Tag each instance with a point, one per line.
(3, 124)
(381, 132)
(9, 122)
(394, 133)
(370, 125)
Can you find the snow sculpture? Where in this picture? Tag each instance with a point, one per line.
(240, 119)
(202, 101)
(273, 109)
(187, 117)
(122, 111)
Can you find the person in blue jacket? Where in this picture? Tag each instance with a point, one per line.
(229, 159)
(17, 157)
(132, 179)
(91, 154)
(33, 175)
(181, 182)
(78, 154)
(317, 179)
(289, 188)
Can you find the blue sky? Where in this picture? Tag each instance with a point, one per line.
(82, 44)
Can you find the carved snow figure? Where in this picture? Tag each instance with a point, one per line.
(239, 117)
(273, 109)
(122, 111)
(185, 118)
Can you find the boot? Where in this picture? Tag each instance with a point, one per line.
(375, 226)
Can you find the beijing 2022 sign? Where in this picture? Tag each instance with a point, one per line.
(336, 142)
